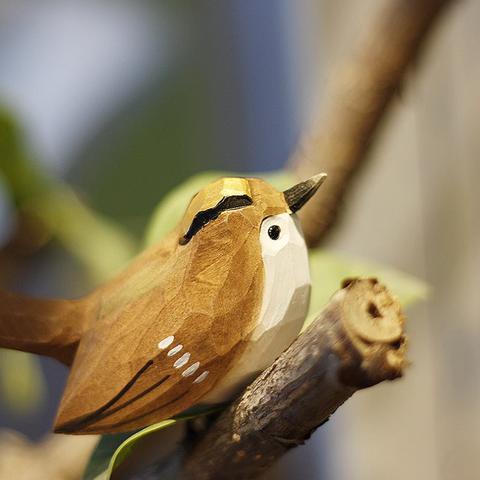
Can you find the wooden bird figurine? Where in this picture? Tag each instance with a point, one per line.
(191, 321)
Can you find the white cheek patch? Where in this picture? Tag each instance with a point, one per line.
(287, 274)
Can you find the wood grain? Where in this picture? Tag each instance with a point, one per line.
(359, 93)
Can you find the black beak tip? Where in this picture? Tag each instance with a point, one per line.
(298, 195)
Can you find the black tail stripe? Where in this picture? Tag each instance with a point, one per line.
(138, 417)
(89, 418)
(109, 412)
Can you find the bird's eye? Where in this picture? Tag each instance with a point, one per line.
(274, 232)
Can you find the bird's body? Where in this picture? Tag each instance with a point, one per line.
(191, 320)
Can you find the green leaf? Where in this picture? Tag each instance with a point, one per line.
(171, 209)
(328, 269)
(112, 450)
(23, 176)
(102, 246)
(21, 381)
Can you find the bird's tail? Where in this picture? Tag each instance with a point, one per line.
(46, 327)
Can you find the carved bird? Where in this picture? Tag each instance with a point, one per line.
(191, 321)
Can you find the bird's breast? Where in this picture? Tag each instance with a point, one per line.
(285, 303)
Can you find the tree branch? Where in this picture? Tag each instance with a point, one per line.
(357, 341)
(359, 94)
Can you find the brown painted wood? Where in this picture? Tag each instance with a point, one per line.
(206, 294)
(42, 326)
(136, 341)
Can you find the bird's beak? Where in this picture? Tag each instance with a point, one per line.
(298, 195)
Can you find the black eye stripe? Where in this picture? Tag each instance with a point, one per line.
(202, 218)
(274, 232)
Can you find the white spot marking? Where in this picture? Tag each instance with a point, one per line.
(174, 350)
(201, 377)
(191, 369)
(166, 342)
(183, 360)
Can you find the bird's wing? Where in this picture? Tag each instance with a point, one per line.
(158, 352)
(157, 391)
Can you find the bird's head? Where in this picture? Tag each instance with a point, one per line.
(229, 208)
(245, 259)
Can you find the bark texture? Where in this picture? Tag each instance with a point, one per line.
(359, 94)
(356, 342)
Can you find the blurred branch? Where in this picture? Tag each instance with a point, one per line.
(47, 209)
(356, 342)
(21, 382)
(54, 458)
(360, 93)
(101, 245)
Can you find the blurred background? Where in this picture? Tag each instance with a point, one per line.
(122, 100)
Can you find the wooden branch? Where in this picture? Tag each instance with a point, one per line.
(359, 94)
(357, 341)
